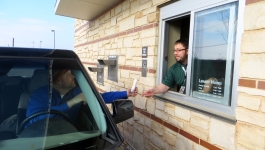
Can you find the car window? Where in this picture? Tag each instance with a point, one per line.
(34, 115)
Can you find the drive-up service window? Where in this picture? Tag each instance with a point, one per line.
(212, 31)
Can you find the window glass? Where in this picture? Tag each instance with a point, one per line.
(213, 50)
(26, 92)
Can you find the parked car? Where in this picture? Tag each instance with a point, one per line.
(22, 71)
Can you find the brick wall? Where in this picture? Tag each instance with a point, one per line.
(132, 24)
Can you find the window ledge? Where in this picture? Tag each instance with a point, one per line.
(185, 103)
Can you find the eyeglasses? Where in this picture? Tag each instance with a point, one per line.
(179, 50)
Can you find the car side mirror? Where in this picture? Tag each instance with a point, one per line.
(123, 109)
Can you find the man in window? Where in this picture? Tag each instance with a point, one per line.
(176, 74)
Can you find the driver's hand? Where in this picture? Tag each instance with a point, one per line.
(76, 100)
(80, 98)
(132, 94)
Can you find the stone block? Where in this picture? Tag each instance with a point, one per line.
(161, 114)
(252, 117)
(170, 147)
(145, 6)
(125, 74)
(137, 43)
(122, 60)
(125, 14)
(251, 91)
(138, 63)
(130, 53)
(182, 113)
(199, 123)
(250, 44)
(138, 127)
(143, 1)
(158, 128)
(157, 2)
(220, 130)
(120, 43)
(125, 5)
(130, 128)
(148, 33)
(170, 111)
(249, 101)
(170, 138)
(263, 105)
(140, 102)
(138, 15)
(160, 104)
(150, 106)
(147, 132)
(113, 21)
(170, 105)
(130, 63)
(134, 7)
(149, 41)
(107, 16)
(176, 122)
(183, 143)
(118, 9)
(198, 147)
(154, 17)
(138, 140)
(128, 41)
(151, 62)
(254, 16)
(148, 81)
(250, 136)
(198, 132)
(130, 121)
(147, 122)
(141, 21)
(126, 23)
(127, 134)
(157, 140)
(247, 61)
(138, 117)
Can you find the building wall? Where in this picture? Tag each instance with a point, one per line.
(157, 124)
(250, 113)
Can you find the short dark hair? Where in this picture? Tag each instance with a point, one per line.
(183, 41)
(57, 74)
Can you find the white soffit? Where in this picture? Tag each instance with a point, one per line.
(82, 9)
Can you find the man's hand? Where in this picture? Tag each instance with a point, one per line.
(132, 94)
(161, 88)
(76, 100)
(149, 93)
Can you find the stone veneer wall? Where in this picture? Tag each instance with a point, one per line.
(250, 113)
(131, 24)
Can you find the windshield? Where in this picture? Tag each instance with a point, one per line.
(47, 103)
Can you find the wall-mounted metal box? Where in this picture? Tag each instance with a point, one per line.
(112, 64)
(100, 73)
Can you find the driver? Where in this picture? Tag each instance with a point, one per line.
(66, 97)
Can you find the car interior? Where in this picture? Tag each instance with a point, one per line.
(18, 79)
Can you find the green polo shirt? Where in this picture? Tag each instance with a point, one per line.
(175, 76)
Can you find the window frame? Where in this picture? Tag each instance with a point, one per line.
(169, 13)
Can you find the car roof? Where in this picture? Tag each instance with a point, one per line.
(36, 52)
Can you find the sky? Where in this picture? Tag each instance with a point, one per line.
(30, 23)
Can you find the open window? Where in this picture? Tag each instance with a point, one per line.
(212, 30)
